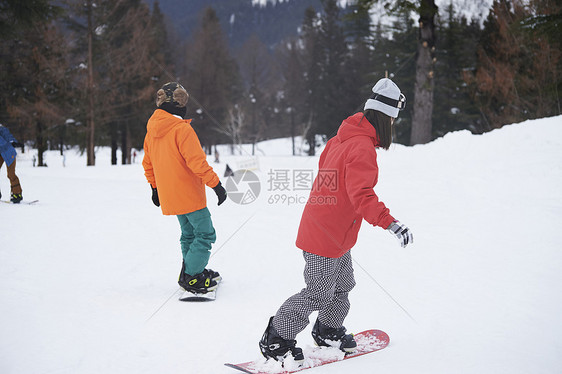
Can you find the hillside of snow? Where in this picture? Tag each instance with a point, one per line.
(88, 274)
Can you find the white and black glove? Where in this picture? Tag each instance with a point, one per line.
(402, 233)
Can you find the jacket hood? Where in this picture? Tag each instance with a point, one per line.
(161, 122)
(357, 125)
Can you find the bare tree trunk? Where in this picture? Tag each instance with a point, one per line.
(310, 135)
(423, 90)
(125, 144)
(40, 144)
(62, 134)
(113, 136)
(91, 156)
(235, 125)
(113, 151)
(254, 129)
(293, 129)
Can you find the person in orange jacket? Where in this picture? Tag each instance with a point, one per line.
(342, 196)
(176, 168)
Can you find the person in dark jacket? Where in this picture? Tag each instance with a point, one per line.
(342, 196)
(8, 155)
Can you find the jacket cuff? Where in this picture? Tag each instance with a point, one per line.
(216, 184)
(386, 222)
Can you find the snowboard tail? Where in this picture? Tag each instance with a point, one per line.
(193, 296)
(367, 342)
(23, 202)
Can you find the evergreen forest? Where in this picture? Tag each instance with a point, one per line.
(85, 73)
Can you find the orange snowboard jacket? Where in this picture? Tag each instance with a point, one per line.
(175, 164)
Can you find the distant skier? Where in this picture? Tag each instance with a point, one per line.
(8, 154)
(177, 170)
(347, 173)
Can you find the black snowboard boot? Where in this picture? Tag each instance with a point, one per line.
(274, 346)
(16, 198)
(214, 275)
(198, 283)
(326, 336)
(208, 273)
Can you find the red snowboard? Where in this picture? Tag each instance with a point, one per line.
(367, 342)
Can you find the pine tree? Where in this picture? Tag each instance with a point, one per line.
(545, 25)
(255, 69)
(359, 67)
(37, 79)
(425, 74)
(31, 50)
(83, 19)
(397, 56)
(212, 79)
(454, 109)
(324, 53)
(126, 73)
(160, 48)
(20, 15)
(424, 79)
(333, 84)
(518, 71)
(311, 52)
(289, 97)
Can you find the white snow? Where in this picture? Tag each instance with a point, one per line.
(88, 275)
(470, 9)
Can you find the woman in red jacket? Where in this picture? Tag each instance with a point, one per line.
(341, 197)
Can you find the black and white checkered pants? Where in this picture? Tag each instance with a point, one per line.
(328, 282)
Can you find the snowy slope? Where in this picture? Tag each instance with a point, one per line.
(88, 275)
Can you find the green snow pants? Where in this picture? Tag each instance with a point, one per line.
(197, 236)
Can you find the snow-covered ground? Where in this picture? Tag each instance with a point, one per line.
(88, 274)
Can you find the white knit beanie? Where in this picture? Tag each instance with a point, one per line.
(386, 98)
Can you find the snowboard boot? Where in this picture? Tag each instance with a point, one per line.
(214, 275)
(274, 346)
(326, 336)
(198, 283)
(16, 198)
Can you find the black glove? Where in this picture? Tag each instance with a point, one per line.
(401, 232)
(221, 193)
(17, 145)
(155, 198)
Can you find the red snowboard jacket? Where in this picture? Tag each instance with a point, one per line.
(342, 194)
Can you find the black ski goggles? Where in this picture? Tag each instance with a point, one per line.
(400, 103)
